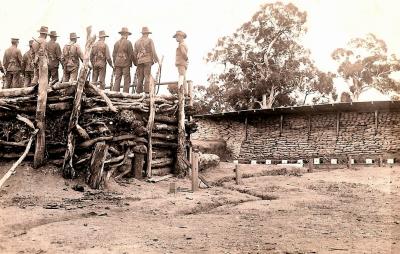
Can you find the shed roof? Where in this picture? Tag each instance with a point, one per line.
(365, 106)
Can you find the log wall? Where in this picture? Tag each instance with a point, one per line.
(301, 136)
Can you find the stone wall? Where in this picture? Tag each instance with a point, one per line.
(303, 136)
(232, 132)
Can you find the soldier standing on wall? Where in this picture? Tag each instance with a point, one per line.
(39, 47)
(181, 59)
(54, 52)
(145, 56)
(99, 56)
(70, 59)
(13, 64)
(28, 65)
(123, 57)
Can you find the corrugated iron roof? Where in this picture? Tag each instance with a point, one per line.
(365, 106)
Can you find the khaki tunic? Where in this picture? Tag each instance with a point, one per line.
(100, 54)
(12, 59)
(54, 53)
(27, 61)
(145, 51)
(123, 53)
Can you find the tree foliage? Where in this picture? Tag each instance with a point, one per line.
(264, 59)
(365, 63)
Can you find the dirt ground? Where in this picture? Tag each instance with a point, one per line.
(275, 210)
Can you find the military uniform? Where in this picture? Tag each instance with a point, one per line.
(99, 57)
(39, 47)
(145, 57)
(28, 66)
(12, 61)
(54, 54)
(70, 58)
(181, 59)
(123, 57)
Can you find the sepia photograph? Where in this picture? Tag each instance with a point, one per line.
(214, 126)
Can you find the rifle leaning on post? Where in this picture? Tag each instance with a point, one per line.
(112, 80)
(158, 75)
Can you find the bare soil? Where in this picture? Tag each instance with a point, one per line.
(275, 210)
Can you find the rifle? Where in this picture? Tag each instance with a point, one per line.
(158, 75)
(135, 81)
(112, 80)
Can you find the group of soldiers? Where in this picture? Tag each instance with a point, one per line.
(124, 55)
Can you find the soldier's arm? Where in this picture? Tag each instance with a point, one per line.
(135, 53)
(108, 57)
(132, 52)
(92, 55)
(5, 60)
(114, 55)
(24, 61)
(58, 52)
(183, 50)
(1, 67)
(153, 49)
(19, 54)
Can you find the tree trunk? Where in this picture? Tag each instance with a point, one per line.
(264, 101)
(149, 127)
(68, 169)
(40, 147)
(180, 154)
(96, 167)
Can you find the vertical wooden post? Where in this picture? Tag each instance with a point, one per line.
(138, 163)
(190, 87)
(40, 147)
(238, 175)
(380, 161)
(195, 171)
(349, 162)
(310, 165)
(96, 167)
(180, 153)
(68, 169)
(150, 124)
(281, 126)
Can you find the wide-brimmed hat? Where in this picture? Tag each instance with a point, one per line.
(125, 30)
(73, 36)
(146, 30)
(14, 40)
(44, 30)
(53, 34)
(180, 33)
(102, 34)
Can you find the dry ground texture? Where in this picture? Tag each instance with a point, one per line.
(275, 210)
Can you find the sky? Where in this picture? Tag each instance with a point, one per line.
(330, 25)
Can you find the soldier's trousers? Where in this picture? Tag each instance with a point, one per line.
(119, 72)
(143, 74)
(28, 78)
(53, 73)
(99, 74)
(13, 79)
(70, 75)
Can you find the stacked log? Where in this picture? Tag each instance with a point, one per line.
(117, 120)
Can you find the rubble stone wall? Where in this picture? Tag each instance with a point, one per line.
(305, 136)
